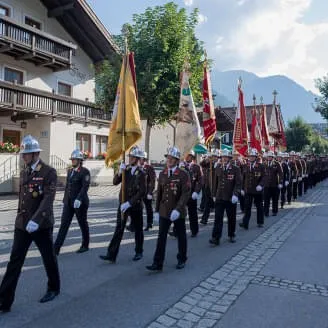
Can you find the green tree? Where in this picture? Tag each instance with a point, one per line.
(322, 101)
(162, 38)
(319, 144)
(298, 134)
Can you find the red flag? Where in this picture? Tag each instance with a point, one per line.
(264, 128)
(209, 121)
(255, 140)
(240, 133)
(281, 141)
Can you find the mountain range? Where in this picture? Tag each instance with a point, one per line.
(293, 98)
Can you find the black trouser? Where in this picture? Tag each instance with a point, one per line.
(22, 241)
(135, 214)
(66, 220)
(180, 230)
(208, 202)
(300, 188)
(290, 192)
(295, 187)
(220, 207)
(271, 193)
(193, 216)
(310, 181)
(258, 200)
(149, 211)
(306, 184)
(283, 195)
(242, 203)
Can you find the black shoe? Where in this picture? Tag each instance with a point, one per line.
(180, 265)
(203, 222)
(154, 267)
(274, 214)
(242, 225)
(200, 209)
(172, 234)
(130, 228)
(193, 235)
(82, 249)
(148, 227)
(106, 258)
(4, 309)
(232, 240)
(49, 296)
(260, 225)
(137, 257)
(282, 207)
(214, 241)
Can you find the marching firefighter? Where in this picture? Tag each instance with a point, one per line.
(286, 177)
(131, 205)
(34, 222)
(301, 172)
(76, 201)
(272, 183)
(173, 193)
(227, 186)
(150, 186)
(240, 162)
(252, 189)
(196, 179)
(295, 176)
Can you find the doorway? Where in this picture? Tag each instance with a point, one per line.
(11, 136)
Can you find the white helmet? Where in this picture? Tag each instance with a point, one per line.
(280, 154)
(174, 152)
(29, 145)
(292, 153)
(216, 152)
(135, 151)
(226, 153)
(270, 153)
(144, 154)
(77, 154)
(192, 153)
(253, 152)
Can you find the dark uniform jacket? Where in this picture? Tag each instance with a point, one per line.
(304, 166)
(273, 174)
(173, 192)
(285, 172)
(37, 192)
(227, 182)
(196, 177)
(135, 186)
(293, 170)
(150, 178)
(77, 185)
(253, 176)
(299, 168)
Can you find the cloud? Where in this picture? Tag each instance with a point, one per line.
(202, 18)
(265, 37)
(188, 2)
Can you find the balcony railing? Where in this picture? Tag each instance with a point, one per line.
(28, 43)
(34, 101)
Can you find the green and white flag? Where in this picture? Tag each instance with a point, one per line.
(188, 132)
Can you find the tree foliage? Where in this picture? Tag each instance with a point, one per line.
(322, 101)
(301, 137)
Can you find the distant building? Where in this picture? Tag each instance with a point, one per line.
(320, 128)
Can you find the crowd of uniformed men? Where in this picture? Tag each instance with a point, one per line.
(221, 179)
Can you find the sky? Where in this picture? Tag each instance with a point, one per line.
(266, 37)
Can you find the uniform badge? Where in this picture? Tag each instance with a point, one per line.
(35, 194)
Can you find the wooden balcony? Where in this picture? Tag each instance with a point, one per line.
(28, 43)
(22, 103)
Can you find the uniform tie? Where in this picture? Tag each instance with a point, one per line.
(171, 173)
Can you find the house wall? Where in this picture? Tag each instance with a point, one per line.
(80, 76)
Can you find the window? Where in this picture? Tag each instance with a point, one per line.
(12, 75)
(4, 10)
(31, 22)
(64, 89)
(101, 144)
(83, 142)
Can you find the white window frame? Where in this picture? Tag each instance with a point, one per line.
(65, 82)
(35, 19)
(14, 68)
(9, 7)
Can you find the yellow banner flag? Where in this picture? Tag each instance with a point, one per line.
(126, 115)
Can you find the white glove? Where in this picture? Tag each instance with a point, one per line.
(31, 226)
(242, 192)
(122, 167)
(286, 183)
(303, 176)
(306, 175)
(279, 186)
(182, 164)
(216, 164)
(259, 188)
(125, 206)
(214, 198)
(299, 179)
(149, 197)
(174, 215)
(294, 180)
(194, 195)
(77, 203)
(234, 199)
(156, 217)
